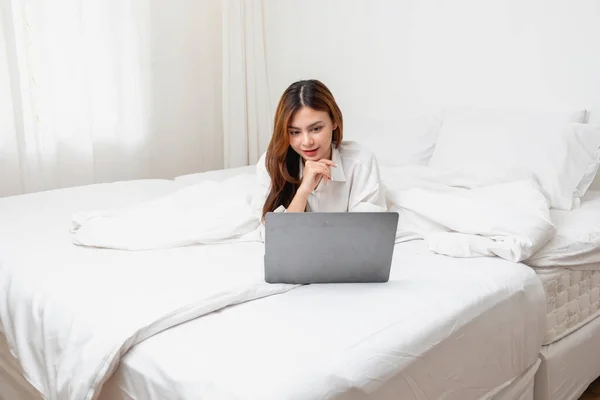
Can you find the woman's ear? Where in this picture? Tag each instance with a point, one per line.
(334, 127)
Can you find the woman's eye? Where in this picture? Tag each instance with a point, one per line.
(317, 128)
(294, 133)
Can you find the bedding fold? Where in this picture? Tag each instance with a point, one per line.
(459, 214)
(462, 214)
(205, 213)
(70, 320)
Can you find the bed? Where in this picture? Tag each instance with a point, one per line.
(469, 326)
(562, 149)
(571, 351)
(458, 328)
(570, 359)
(570, 272)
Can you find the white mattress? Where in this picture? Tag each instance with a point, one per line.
(461, 328)
(573, 299)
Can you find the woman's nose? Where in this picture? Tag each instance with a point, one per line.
(306, 139)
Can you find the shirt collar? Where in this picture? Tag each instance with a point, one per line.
(337, 173)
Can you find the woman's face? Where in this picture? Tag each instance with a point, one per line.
(311, 133)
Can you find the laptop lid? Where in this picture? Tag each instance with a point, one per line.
(314, 247)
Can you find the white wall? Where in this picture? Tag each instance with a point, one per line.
(532, 53)
(385, 57)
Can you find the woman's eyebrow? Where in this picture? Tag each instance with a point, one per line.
(310, 126)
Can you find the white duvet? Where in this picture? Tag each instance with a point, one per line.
(69, 312)
(459, 214)
(429, 333)
(208, 212)
(470, 214)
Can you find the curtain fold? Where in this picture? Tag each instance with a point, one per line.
(98, 91)
(247, 123)
(77, 94)
(11, 174)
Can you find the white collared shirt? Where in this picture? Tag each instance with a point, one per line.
(354, 187)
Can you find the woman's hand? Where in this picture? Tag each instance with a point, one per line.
(314, 171)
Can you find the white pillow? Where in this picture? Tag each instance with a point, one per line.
(593, 116)
(594, 177)
(555, 147)
(404, 140)
(590, 179)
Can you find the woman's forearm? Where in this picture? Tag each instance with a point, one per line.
(298, 203)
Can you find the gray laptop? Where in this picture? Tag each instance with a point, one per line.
(315, 247)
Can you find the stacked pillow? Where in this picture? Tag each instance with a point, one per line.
(561, 149)
(558, 148)
(407, 139)
(594, 118)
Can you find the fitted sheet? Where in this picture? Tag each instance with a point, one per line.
(576, 243)
(217, 175)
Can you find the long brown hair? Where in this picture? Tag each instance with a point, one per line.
(282, 162)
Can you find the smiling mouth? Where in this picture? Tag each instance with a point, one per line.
(311, 151)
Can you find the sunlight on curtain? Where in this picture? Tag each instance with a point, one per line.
(99, 91)
(78, 95)
(246, 105)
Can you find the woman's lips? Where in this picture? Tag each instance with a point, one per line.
(310, 153)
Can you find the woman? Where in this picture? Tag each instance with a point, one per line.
(307, 167)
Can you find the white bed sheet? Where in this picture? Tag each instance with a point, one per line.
(14, 387)
(462, 328)
(576, 243)
(217, 175)
(60, 301)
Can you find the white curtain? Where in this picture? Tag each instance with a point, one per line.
(74, 93)
(105, 90)
(247, 120)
